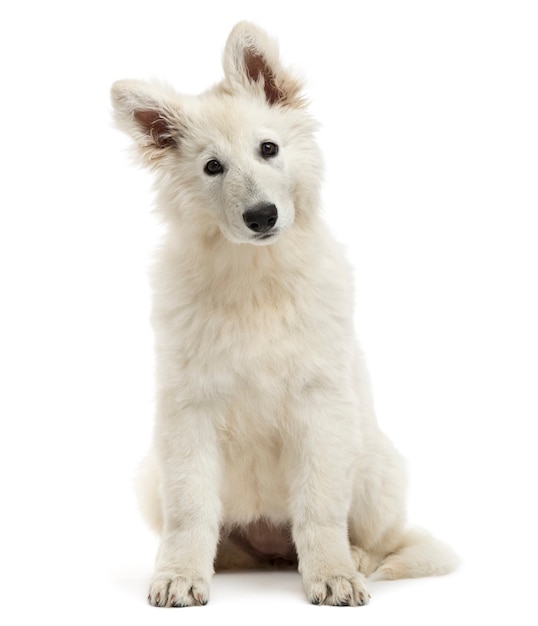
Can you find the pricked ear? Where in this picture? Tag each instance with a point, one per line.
(156, 126)
(147, 112)
(251, 59)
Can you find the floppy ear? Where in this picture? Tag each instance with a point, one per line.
(251, 60)
(148, 113)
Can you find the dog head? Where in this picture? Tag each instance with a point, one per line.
(239, 159)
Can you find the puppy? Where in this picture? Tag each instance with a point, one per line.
(266, 447)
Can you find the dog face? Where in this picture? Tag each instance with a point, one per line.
(243, 175)
(240, 158)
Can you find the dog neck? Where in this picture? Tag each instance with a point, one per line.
(207, 262)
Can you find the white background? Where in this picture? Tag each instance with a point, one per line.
(430, 134)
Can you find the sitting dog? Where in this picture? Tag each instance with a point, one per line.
(266, 447)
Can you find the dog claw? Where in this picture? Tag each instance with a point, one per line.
(178, 592)
(339, 591)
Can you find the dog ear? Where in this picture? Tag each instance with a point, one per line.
(251, 59)
(147, 112)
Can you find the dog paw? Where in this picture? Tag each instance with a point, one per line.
(338, 591)
(178, 591)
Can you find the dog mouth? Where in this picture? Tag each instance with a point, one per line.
(264, 238)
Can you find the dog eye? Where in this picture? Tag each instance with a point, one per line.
(268, 149)
(213, 167)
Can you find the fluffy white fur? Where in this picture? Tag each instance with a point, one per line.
(266, 444)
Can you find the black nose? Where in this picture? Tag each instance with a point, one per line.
(261, 218)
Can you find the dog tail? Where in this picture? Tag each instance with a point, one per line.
(418, 554)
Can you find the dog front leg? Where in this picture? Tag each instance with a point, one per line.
(323, 457)
(190, 478)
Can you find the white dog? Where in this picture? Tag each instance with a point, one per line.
(266, 449)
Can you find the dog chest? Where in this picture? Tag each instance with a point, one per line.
(252, 343)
